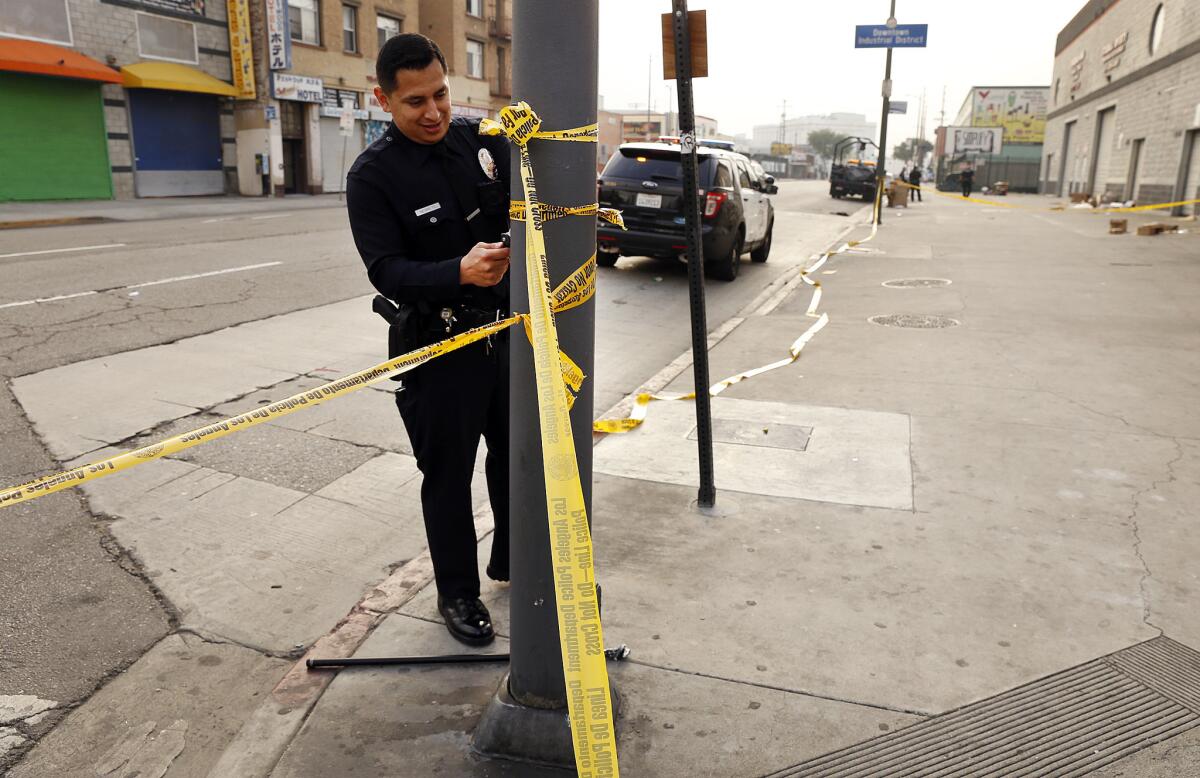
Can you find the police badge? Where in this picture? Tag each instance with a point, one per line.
(487, 163)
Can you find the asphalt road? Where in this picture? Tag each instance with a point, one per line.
(126, 285)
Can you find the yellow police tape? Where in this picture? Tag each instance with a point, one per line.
(581, 637)
(641, 401)
(516, 212)
(589, 699)
(1059, 207)
(402, 364)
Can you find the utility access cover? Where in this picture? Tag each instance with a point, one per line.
(765, 434)
(916, 283)
(833, 455)
(916, 321)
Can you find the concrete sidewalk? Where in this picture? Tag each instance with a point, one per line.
(49, 213)
(1045, 524)
(912, 521)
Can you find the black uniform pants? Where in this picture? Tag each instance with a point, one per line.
(966, 187)
(447, 404)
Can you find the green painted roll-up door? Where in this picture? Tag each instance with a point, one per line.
(53, 145)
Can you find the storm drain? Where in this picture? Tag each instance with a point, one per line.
(1067, 724)
(916, 283)
(917, 321)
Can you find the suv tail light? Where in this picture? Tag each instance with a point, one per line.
(713, 202)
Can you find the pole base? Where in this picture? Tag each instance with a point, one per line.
(519, 733)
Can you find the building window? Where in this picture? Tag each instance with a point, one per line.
(474, 59)
(169, 39)
(1057, 81)
(475, 8)
(349, 28)
(1156, 29)
(39, 20)
(387, 27)
(304, 18)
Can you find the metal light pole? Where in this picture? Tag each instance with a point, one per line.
(883, 122)
(707, 496)
(555, 66)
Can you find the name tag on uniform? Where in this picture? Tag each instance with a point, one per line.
(427, 209)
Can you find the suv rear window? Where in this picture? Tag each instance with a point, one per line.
(647, 165)
(724, 177)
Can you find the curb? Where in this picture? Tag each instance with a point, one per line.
(62, 221)
(762, 304)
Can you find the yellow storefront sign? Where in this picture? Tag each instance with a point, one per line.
(241, 56)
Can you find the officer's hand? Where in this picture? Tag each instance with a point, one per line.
(484, 265)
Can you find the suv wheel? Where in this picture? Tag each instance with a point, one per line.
(761, 253)
(727, 269)
(606, 259)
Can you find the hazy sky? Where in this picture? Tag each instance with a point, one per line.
(762, 52)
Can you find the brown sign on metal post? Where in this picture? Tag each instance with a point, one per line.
(698, 33)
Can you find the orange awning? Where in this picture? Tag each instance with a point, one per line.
(46, 59)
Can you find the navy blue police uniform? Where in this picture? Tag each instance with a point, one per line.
(415, 210)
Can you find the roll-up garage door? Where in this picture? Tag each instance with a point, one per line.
(176, 143)
(338, 153)
(52, 140)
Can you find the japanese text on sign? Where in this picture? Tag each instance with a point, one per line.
(279, 39)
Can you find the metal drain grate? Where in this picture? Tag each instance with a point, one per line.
(918, 321)
(916, 283)
(1067, 724)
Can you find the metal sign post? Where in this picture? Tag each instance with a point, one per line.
(889, 36)
(682, 27)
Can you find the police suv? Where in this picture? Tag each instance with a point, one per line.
(645, 182)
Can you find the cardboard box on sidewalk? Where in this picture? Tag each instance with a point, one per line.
(1154, 228)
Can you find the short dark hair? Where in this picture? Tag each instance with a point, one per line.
(406, 51)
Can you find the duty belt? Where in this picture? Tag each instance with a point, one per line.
(466, 317)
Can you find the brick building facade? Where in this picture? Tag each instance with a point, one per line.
(167, 115)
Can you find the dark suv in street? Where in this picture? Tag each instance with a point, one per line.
(644, 181)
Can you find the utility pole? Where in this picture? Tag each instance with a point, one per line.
(554, 70)
(921, 130)
(883, 122)
(649, 88)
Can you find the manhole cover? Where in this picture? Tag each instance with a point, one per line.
(918, 321)
(916, 283)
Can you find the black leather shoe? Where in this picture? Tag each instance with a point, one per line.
(467, 620)
(496, 573)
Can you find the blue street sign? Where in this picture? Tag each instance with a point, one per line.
(880, 36)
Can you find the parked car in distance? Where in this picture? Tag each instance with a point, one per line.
(645, 182)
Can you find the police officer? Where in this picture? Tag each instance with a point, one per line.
(428, 204)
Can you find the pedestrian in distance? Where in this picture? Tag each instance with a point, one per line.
(428, 205)
(914, 178)
(966, 177)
